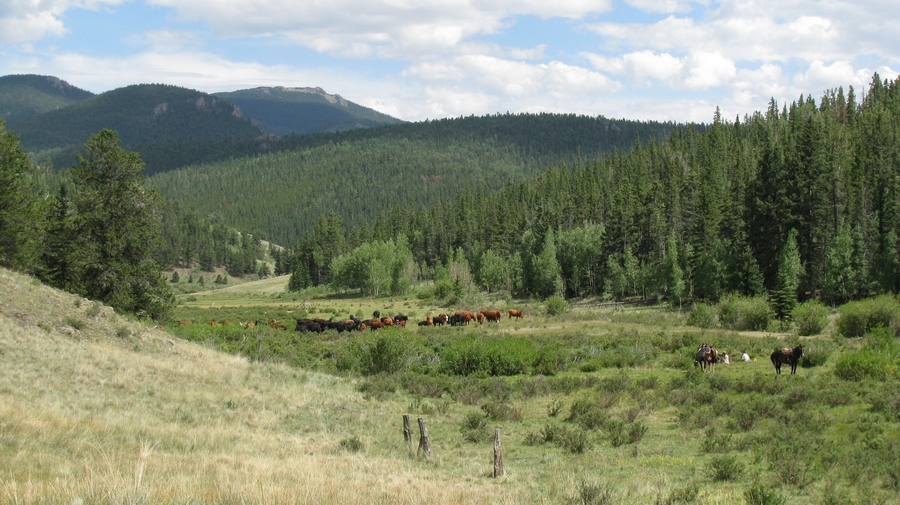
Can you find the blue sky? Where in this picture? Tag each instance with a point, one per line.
(639, 59)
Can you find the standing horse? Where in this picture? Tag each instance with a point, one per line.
(787, 356)
(706, 356)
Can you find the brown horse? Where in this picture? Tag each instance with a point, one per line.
(706, 356)
(787, 356)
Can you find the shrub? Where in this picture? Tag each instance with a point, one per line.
(576, 441)
(590, 493)
(810, 317)
(555, 305)
(744, 313)
(858, 318)
(687, 494)
(702, 316)
(352, 444)
(494, 357)
(762, 494)
(724, 468)
(383, 352)
(475, 428)
(864, 364)
(815, 354)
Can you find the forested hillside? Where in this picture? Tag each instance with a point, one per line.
(800, 198)
(167, 125)
(282, 110)
(358, 173)
(26, 96)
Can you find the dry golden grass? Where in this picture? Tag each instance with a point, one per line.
(117, 412)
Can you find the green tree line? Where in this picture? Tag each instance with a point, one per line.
(798, 200)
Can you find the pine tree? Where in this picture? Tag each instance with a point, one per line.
(840, 276)
(784, 297)
(117, 231)
(19, 223)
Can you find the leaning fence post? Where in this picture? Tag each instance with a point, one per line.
(407, 434)
(498, 454)
(424, 445)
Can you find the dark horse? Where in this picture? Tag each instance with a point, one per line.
(787, 356)
(706, 356)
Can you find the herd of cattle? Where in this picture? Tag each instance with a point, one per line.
(377, 322)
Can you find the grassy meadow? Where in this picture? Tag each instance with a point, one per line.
(600, 404)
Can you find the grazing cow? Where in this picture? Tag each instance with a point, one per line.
(185, 323)
(376, 325)
(706, 356)
(787, 356)
(513, 313)
(213, 323)
(480, 318)
(468, 315)
(279, 326)
(400, 317)
(441, 320)
(492, 315)
(457, 319)
(249, 325)
(387, 321)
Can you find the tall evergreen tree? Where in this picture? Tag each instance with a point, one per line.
(116, 231)
(784, 297)
(19, 221)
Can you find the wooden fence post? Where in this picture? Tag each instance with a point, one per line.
(407, 434)
(424, 445)
(498, 454)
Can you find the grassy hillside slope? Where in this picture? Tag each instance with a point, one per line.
(26, 96)
(283, 110)
(100, 409)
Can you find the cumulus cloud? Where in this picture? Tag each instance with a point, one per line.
(373, 28)
(30, 20)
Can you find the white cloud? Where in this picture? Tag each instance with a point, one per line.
(662, 6)
(640, 66)
(373, 28)
(31, 20)
(708, 70)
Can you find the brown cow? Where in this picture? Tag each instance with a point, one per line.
(513, 313)
(213, 323)
(480, 318)
(185, 323)
(376, 325)
(492, 315)
(469, 315)
(249, 325)
(387, 321)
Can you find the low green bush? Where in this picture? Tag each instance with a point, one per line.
(499, 356)
(810, 318)
(741, 313)
(858, 318)
(864, 364)
(724, 468)
(702, 316)
(763, 494)
(555, 305)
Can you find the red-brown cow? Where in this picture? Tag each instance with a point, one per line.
(513, 313)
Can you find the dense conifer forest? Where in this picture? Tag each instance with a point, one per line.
(799, 199)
